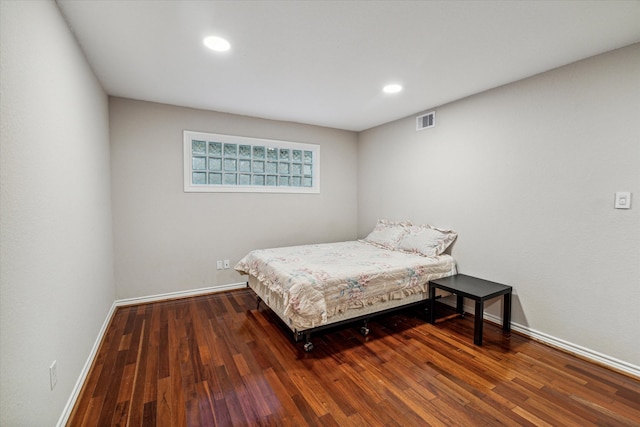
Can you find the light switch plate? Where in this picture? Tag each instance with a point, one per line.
(623, 200)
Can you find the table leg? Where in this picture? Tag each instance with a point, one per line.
(459, 304)
(477, 329)
(506, 312)
(432, 303)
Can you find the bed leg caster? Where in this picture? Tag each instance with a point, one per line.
(308, 346)
(258, 303)
(365, 329)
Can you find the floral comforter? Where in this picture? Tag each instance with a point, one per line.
(316, 281)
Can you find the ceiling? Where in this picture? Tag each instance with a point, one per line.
(325, 62)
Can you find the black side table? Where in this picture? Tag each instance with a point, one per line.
(478, 290)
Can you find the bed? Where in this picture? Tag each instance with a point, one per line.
(312, 287)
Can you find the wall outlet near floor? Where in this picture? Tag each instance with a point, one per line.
(226, 264)
(623, 200)
(219, 265)
(53, 374)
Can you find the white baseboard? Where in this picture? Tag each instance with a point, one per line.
(577, 350)
(179, 294)
(66, 413)
(586, 353)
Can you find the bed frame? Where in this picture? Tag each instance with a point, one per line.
(364, 314)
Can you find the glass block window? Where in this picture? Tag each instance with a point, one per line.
(227, 163)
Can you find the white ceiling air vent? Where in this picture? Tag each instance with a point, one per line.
(426, 121)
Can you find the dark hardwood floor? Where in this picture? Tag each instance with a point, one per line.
(217, 361)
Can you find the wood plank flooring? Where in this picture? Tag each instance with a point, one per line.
(217, 361)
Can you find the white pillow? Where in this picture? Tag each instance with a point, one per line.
(426, 240)
(387, 233)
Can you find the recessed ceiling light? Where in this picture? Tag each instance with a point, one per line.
(392, 88)
(217, 43)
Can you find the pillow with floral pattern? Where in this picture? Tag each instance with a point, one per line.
(386, 234)
(426, 240)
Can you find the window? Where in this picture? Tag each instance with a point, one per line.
(227, 163)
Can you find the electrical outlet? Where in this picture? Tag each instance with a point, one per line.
(226, 264)
(623, 200)
(53, 374)
(219, 265)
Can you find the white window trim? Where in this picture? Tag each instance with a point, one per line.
(269, 143)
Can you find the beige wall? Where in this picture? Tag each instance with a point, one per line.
(167, 240)
(56, 260)
(526, 173)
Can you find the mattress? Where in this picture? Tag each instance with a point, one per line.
(314, 285)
